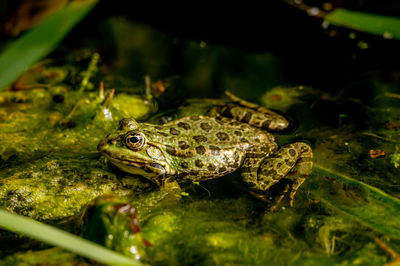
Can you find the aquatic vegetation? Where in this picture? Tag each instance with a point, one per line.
(54, 115)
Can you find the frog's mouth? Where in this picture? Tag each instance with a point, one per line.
(147, 169)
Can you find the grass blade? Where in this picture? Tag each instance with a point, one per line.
(60, 238)
(364, 203)
(388, 27)
(40, 41)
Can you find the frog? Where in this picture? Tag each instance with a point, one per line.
(234, 135)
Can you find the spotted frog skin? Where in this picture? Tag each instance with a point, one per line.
(198, 148)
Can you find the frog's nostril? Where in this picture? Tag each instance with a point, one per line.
(111, 141)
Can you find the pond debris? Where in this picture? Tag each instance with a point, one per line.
(107, 99)
(363, 45)
(101, 90)
(325, 24)
(393, 254)
(377, 154)
(134, 221)
(392, 95)
(39, 76)
(341, 116)
(158, 86)
(275, 97)
(395, 159)
(352, 35)
(387, 35)
(379, 137)
(393, 125)
(88, 73)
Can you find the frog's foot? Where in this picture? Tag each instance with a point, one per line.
(292, 161)
(249, 113)
(253, 114)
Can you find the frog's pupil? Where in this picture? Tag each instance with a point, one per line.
(134, 139)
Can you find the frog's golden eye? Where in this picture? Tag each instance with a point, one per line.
(134, 141)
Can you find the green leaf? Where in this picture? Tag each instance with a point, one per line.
(60, 238)
(388, 27)
(40, 41)
(362, 202)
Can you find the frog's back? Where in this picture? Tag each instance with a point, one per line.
(202, 147)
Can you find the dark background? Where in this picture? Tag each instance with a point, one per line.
(324, 58)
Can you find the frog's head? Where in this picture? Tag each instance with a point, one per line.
(129, 149)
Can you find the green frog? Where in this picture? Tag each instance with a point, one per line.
(196, 148)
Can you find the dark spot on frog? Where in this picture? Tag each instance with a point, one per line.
(237, 133)
(237, 123)
(227, 110)
(257, 140)
(183, 145)
(243, 140)
(222, 169)
(183, 125)
(264, 149)
(218, 119)
(200, 150)
(188, 154)
(174, 131)
(292, 152)
(246, 118)
(222, 136)
(171, 150)
(211, 167)
(198, 163)
(214, 150)
(184, 165)
(194, 173)
(205, 126)
(182, 175)
(162, 133)
(200, 138)
(266, 124)
(194, 118)
(159, 127)
(255, 155)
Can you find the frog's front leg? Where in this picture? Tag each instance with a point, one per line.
(292, 161)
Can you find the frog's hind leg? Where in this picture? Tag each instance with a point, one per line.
(253, 114)
(292, 161)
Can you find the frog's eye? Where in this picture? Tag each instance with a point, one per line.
(134, 141)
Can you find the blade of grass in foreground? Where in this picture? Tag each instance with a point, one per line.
(388, 27)
(362, 202)
(40, 41)
(60, 238)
